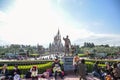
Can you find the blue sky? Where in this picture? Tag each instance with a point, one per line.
(5, 4)
(105, 13)
(25, 21)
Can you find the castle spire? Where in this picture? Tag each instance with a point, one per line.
(57, 45)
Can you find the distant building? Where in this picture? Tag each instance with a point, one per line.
(56, 46)
(101, 54)
(11, 55)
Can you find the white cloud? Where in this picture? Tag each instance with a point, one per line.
(36, 21)
(99, 39)
(29, 22)
(1, 15)
(32, 22)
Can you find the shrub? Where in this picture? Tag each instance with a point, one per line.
(25, 68)
(82, 55)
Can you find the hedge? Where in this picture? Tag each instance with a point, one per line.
(90, 63)
(25, 68)
(43, 65)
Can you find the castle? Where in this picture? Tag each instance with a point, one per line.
(56, 46)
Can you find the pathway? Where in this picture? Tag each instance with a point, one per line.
(68, 77)
(73, 77)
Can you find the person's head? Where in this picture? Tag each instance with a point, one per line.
(56, 59)
(16, 67)
(34, 68)
(83, 61)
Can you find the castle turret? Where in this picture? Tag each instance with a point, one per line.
(57, 45)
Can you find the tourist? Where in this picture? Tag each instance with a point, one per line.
(34, 72)
(116, 72)
(4, 71)
(82, 69)
(28, 75)
(96, 70)
(108, 68)
(75, 61)
(45, 75)
(56, 62)
(49, 71)
(15, 71)
(57, 69)
(118, 65)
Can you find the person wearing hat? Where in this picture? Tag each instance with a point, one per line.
(56, 66)
(34, 72)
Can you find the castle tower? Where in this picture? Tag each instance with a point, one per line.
(56, 46)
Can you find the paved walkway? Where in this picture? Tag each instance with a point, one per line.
(68, 77)
(73, 77)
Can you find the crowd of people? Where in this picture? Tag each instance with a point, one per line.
(33, 74)
(109, 72)
(12, 75)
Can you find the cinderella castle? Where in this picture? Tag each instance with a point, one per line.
(56, 46)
